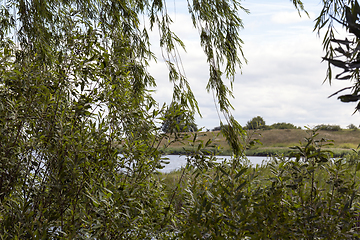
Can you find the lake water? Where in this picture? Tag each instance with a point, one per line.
(177, 161)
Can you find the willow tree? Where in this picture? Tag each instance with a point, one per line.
(342, 53)
(176, 120)
(74, 93)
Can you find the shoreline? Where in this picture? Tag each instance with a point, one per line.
(269, 142)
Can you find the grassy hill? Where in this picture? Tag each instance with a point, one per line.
(273, 141)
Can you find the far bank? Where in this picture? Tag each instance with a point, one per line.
(273, 141)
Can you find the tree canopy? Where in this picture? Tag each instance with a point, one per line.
(79, 129)
(256, 123)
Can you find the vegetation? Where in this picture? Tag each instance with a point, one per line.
(307, 197)
(259, 123)
(80, 135)
(284, 125)
(352, 127)
(328, 127)
(177, 120)
(255, 123)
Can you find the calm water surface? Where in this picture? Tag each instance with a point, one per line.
(177, 161)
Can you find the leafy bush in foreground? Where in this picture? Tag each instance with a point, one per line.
(310, 196)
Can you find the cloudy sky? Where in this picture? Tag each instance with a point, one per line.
(283, 80)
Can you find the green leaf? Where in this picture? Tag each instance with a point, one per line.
(349, 98)
(337, 63)
(241, 172)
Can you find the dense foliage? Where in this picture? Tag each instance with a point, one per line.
(177, 120)
(80, 134)
(79, 129)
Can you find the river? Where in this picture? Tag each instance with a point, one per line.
(178, 161)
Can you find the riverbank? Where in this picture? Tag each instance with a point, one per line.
(274, 141)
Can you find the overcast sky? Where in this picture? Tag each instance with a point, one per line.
(283, 80)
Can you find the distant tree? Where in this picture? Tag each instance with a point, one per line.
(284, 125)
(256, 123)
(328, 127)
(352, 127)
(218, 128)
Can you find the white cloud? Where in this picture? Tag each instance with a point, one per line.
(281, 83)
